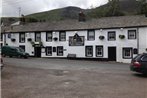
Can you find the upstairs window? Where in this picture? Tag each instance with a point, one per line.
(21, 37)
(111, 36)
(91, 35)
(37, 36)
(49, 36)
(131, 34)
(62, 36)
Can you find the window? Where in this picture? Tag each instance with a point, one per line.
(49, 51)
(89, 51)
(22, 37)
(99, 51)
(76, 40)
(49, 36)
(37, 36)
(91, 35)
(127, 53)
(62, 36)
(60, 51)
(22, 47)
(131, 34)
(111, 36)
(144, 58)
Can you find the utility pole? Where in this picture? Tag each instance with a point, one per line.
(19, 9)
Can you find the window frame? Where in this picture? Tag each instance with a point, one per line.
(47, 50)
(58, 50)
(88, 35)
(97, 51)
(131, 32)
(123, 53)
(36, 36)
(109, 35)
(86, 54)
(47, 38)
(20, 39)
(61, 37)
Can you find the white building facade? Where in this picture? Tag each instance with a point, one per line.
(117, 43)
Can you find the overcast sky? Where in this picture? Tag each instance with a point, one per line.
(14, 7)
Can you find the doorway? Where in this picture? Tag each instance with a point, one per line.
(37, 51)
(112, 53)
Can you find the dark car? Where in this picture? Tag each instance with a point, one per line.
(14, 51)
(139, 63)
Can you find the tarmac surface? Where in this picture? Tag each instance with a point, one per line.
(61, 78)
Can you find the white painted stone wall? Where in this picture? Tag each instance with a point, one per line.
(80, 50)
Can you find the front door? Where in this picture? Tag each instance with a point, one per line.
(37, 51)
(112, 53)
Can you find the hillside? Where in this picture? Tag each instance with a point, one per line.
(127, 7)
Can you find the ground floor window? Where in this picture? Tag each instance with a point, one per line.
(22, 47)
(127, 53)
(59, 50)
(89, 51)
(49, 51)
(99, 51)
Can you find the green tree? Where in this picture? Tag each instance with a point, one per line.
(114, 8)
(143, 7)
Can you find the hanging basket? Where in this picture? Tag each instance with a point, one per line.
(55, 39)
(13, 39)
(122, 36)
(29, 39)
(101, 37)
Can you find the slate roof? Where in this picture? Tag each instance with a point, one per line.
(101, 23)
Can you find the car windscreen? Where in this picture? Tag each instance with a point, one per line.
(19, 49)
(137, 57)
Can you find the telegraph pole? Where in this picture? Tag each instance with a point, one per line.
(19, 9)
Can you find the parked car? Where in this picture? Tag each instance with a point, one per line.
(139, 63)
(1, 64)
(12, 51)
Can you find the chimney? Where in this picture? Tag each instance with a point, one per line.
(82, 17)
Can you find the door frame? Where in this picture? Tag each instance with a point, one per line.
(112, 49)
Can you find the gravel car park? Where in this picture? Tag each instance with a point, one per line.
(61, 78)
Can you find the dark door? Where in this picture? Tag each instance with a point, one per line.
(112, 53)
(37, 51)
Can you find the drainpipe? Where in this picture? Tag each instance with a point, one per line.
(137, 39)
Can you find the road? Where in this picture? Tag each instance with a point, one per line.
(61, 78)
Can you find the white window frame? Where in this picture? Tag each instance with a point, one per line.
(127, 53)
(131, 34)
(49, 51)
(62, 36)
(91, 35)
(22, 37)
(89, 51)
(49, 36)
(99, 51)
(111, 36)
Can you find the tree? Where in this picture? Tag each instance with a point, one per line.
(143, 7)
(114, 8)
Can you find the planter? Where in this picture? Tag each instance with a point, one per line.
(101, 37)
(55, 39)
(13, 39)
(122, 36)
(29, 39)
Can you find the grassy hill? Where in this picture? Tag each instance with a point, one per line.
(127, 7)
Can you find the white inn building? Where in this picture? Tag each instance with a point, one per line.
(111, 38)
